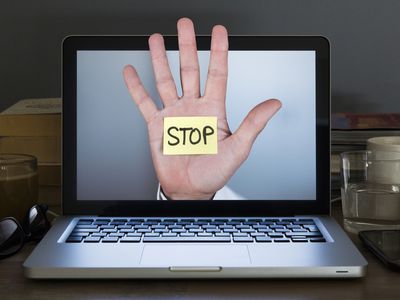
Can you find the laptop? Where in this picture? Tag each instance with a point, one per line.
(274, 218)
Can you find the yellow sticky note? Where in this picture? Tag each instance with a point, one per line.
(190, 135)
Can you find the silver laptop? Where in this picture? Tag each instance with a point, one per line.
(273, 219)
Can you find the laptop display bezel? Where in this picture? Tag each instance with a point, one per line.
(72, 206)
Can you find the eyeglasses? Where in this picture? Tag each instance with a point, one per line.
(13, 235)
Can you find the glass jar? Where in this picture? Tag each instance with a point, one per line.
(18, 185)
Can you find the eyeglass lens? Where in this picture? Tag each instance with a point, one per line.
(11, 237)
(37, 222)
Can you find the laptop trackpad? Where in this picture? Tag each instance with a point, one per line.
(195, 255)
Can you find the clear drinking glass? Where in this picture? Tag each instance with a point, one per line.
(18, 185)
(370, 190)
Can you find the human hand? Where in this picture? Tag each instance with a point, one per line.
(195, 177)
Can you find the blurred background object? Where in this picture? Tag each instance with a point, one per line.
(363, 34)
(33, 127)
(18, 185)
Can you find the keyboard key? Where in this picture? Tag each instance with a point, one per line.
(175, 226)
(253, 234)
(266, 223)
(151, 234)
(317, 240)
(294, 227)
(282, 230)
(120, 220)
(304, 234)
(283, 240)
(233, 223)
(306, 220)
(299, 230)
(250, 223)
(110, 230)
(86, 230)
(195, 239)
(100, 234)
(160, 230)
(221, 220)
(124, 227)
(178, 230)
(275, 235)
(157, 226)
(133, 234)
(311, 227)
(187, 234)
(107, 227)
(85, 220)
(117, 223)
(243, 239)
(204, 220)
(265, 230)
(183, 223)
(204, 234)
(209, 226)
(118, 234)
(136, 220)
(283, 223)
(192, 226)
(100, 223)
(170, 220)
(247, 230)
(103, 220)
(85, 226)
(84, 234)
(277, 227)
(240, 234)
(215, 230)
(149, 222)
(296, 240)
(129, 240)
(195, 230)
(94, 239)
(263, 239)
(141, 226)
(222, 234)
(74, 239)
(230, 230)
(304, 223)
(171, 234)
(126, 230)
(243, 226)
(132, 223)
(113, 239)
(226, 226)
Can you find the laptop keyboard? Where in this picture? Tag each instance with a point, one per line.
(195, 230)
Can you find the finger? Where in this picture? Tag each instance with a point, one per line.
(254, 123)
(142, 99)
(218, 67)
(164, 80)
(189, 63)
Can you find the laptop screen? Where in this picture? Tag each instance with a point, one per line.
(114, 161)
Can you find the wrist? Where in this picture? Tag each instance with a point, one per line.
(189, 196)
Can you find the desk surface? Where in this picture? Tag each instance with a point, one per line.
(380, 283)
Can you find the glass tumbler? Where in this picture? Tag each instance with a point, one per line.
(18, 185)
(370, 190)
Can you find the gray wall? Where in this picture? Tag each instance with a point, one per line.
(365, 36)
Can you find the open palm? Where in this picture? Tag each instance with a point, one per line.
(195, 176)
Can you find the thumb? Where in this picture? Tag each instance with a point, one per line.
(255, 122)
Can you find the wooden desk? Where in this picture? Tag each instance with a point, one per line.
(380, 283)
